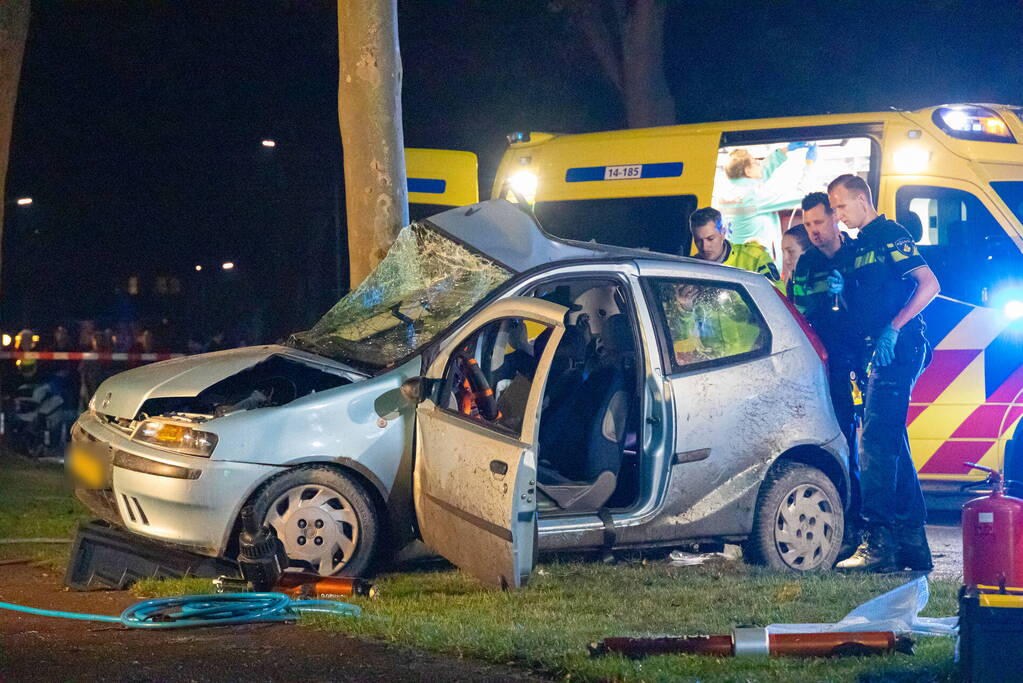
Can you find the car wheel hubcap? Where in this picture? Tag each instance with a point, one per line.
(318, 526)
(804, 527)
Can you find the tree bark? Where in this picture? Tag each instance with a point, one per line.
(13, 31)
(369, 111)
(648, 101)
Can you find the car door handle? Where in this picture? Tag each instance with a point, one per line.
(692, 456)
(499, 467)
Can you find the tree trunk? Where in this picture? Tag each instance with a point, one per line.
(13, 30)
(369, 111)
(627, 38)
(648, 101)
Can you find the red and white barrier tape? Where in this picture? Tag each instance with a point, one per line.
(85, 355)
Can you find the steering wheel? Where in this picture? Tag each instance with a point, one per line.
(480, 394)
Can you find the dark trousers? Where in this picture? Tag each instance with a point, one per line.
(891, 494)
(840, 384)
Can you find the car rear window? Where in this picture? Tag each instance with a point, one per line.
(708, 323)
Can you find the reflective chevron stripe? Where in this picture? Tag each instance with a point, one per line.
(969, 401)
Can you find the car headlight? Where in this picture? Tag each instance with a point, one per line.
(176, 437)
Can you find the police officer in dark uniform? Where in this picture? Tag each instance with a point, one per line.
(820, 284)
(892, 285)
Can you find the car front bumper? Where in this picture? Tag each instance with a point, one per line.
(188, 501)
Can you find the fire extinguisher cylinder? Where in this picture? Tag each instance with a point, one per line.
(993, 537)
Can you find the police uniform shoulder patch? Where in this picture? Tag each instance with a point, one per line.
(905, 245)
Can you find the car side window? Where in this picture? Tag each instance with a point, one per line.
(489, 377)
(708, 323)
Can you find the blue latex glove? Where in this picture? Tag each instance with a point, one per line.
(836, 283)
(884, 350)
(797, 145)
(811, 154)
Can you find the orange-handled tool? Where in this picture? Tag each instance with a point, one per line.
(753, 642)
(303, 585)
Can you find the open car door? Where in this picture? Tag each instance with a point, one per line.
(440, 178)
(474, 481)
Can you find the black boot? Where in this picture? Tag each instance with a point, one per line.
(875, 554)
(913, 552)
(850, 541)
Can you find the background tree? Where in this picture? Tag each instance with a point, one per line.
(13, 30)
(627, 39)
(369, 111)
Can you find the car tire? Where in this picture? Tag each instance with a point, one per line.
(798, 522)
(328, 522)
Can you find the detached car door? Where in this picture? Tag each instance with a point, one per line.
(474, 482)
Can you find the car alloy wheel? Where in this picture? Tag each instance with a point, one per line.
(805, 527)
(318, 526)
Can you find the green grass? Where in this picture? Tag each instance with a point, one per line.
(165, 588)
(547, 626)
(36, 502)
(567, 605)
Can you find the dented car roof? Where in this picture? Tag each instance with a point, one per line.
(516, 241)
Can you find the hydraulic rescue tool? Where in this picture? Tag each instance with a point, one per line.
(757, 642)
(304, 586)
(261, 555)
(262, 561)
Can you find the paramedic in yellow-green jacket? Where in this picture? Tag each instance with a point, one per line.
(708, 236)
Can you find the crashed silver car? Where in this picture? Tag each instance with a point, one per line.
(494, 392)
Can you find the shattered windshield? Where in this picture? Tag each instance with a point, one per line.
(424, 284)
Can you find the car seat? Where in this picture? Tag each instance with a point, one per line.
(583, 443)
(565, 376)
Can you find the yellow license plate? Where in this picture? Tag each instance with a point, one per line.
(86, 468)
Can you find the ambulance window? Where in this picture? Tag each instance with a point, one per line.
(1011, 192)
(708, 324)
(657, 223)
(758, 187)
(489, 378)
(965, 246)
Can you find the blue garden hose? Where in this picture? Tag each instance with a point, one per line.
(206, 610)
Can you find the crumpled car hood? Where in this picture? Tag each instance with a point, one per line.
(123, 394)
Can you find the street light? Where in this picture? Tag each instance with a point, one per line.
(228, 265)
(268, 143)
(198, 267)
(24, 201)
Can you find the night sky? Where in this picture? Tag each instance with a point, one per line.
(138, 126)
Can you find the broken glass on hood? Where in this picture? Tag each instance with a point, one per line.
(424, 284)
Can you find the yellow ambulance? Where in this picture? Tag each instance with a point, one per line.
(439, 179)
(951, 174)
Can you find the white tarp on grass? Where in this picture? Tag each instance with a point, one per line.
(897, 610)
